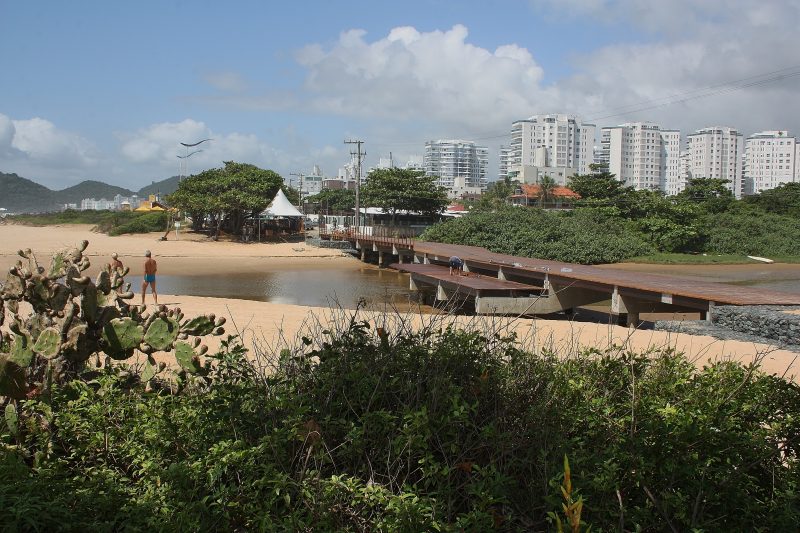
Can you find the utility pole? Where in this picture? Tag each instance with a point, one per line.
(300, 175)
(359, 154)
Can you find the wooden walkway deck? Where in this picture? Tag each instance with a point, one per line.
(549, 286)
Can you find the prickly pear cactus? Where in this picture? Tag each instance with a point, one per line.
(74, 318)
(122, 336)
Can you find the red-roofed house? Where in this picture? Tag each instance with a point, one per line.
(530, 195)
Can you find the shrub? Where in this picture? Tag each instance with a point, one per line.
(583, 236)
(144, 223)
(437, 430)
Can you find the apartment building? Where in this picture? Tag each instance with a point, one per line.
(554, 141)
(641, 154)
(714, 152)
(456, 163)
(771, 158)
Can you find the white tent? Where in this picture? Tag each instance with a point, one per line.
(281, 207)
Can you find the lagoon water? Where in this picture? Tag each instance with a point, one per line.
(344, 286)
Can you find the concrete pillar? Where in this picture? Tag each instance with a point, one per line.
(412, 286)
(501, 274)
(380, 259)
(441, 294)
(363, 255)
(426, 260)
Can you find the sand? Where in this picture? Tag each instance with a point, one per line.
(269, 326)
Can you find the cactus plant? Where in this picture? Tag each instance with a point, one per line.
(73, 318)
(12, 419)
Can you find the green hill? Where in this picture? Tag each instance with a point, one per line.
(89, 189)
(21, 195)
(167, 186)
(18, 195)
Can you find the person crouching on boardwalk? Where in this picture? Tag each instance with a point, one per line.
(150, 268)
(456, 264)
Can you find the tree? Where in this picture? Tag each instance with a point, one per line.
(782, 200)
(292, 194)
(398, 189)
(712, 194)
(226, 195)
(547, 186)
(333, 200)
(497, 194)
(600, 185)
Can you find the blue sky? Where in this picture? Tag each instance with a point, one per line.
(107, 90)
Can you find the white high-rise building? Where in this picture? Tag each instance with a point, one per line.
(551, 141)
(456, 163)
(642, 155)
(713, 152)
(770, 159)
(505, 159)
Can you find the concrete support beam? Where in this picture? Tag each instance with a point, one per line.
(560, 299)
(626, 308)
(358, 245)
(380, 259)
(374, 247)
(412, 285)
(441, 293)
(425, 259)
(465, 267)
(501, 274)
(363, 255)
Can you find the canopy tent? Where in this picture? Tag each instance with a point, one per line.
(281, 207)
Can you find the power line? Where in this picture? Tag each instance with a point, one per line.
(645, 105)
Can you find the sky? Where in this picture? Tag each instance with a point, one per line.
(107, 90)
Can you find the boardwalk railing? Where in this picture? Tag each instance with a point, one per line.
(380, 235)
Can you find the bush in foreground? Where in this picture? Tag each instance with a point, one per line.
(437, 430)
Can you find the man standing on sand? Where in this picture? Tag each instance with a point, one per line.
(150, 269)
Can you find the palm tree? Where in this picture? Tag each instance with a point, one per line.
(547, 186)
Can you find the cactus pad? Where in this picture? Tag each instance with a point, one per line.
(186, 358)
(21, 352)
(200, 325)
(58, 266)
(78, 347)
(48, 343)
(13, 287)
(162, 333)
(12, 419)
(122, 336)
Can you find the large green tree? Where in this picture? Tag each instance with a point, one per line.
(336, 200)
(598, 185)
(712, 194)
(226, 195)
(398, 189)
(782, 200)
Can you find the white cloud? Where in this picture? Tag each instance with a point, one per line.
(40, 141)
(409, 75)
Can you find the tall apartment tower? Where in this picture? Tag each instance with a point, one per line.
(642, 155)
(505, 158)
(552, 141)
(770, 159)
(456, 163)
(713, 152)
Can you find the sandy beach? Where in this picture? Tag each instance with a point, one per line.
(272, 324)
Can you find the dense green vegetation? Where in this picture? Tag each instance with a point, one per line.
(332, 201)
(111, 222)
(576, 237)
(436, 431)
(613, 223)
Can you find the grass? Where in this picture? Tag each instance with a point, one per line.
(704, 259)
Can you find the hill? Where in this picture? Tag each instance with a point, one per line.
(21, 195)
(89, 189)
(18, 194)
(167, 186)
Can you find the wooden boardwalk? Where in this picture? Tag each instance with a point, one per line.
(535, 286)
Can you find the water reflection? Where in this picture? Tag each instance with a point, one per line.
(317, 287)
